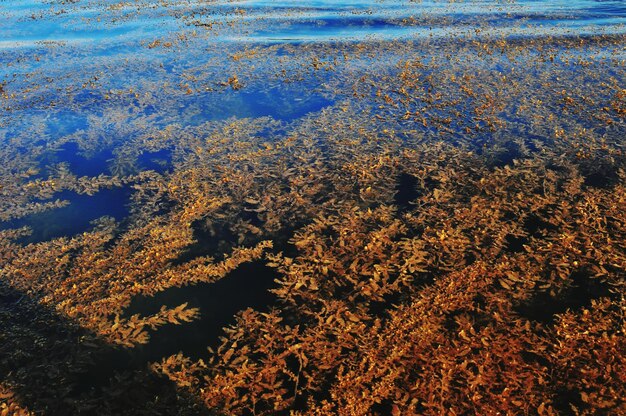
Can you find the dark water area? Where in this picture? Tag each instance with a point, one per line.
(72, 360)
(74, 218)
(406, 192)
(584, 290)
(246, 287)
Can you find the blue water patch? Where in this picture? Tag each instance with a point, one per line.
(75, 218)
(79, 165)
(159, 161)
(285, 104)
(111, 73)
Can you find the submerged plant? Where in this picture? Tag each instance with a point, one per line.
(447, 230)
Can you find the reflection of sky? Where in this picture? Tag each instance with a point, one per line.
(24, 23)
(109, 40)
(75, 42)
(24, 26)
(84, 71)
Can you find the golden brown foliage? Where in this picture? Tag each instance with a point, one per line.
(448, 237)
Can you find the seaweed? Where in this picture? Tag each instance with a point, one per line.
(232, 222)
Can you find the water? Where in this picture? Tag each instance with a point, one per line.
(75, 218)
(84, 81)
(112, 107)
(99, 75)
(66, 58)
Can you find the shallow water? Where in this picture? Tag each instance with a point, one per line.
(82, 79)
(107, 109)
(65, 61)
(94, 75)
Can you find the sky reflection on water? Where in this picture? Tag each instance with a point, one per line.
(69, 71)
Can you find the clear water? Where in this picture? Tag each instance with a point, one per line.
(100, 69)
(106, 70)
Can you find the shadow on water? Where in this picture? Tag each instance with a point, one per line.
(45, 359)
(584, 288)
(74, 218)
(56, 367)
(246, 287)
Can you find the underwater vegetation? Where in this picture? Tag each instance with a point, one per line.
(334, 208)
